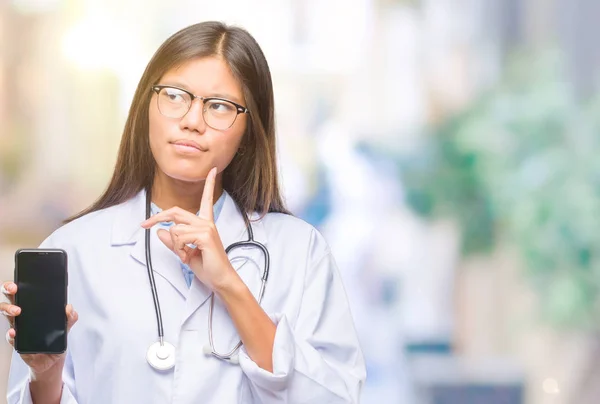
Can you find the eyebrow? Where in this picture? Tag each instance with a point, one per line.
(181, 85)
(226, 96)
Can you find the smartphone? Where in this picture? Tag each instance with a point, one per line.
(42, 279)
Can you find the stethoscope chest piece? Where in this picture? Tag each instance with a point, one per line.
(161, 356)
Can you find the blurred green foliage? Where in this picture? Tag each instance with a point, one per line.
(522, 165)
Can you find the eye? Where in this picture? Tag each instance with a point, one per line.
(174, 95)
(221, 107)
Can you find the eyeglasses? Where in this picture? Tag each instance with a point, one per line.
(218, 113)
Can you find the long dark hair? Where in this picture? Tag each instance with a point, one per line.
(251, 178)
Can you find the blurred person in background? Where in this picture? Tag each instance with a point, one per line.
(198, 158)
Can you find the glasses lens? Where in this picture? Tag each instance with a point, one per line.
(219, 114)
(173, 103)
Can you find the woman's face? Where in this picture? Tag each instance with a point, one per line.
(187, 148)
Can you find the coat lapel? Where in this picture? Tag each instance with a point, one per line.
(230, 225)
(127, 230)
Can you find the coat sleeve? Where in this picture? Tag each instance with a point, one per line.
(18, 382)
(319, 359)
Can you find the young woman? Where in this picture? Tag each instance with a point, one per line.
(196, 172)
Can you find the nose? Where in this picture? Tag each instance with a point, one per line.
(194, 119)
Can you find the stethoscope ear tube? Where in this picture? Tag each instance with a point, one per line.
(161, 354)
(240, 244)
(234, 359)
(150, 270)
(260, 246)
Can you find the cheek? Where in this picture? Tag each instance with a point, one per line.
(227, 148)
(156, 131)
(153, 134)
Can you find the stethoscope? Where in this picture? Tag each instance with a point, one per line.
(161, 354)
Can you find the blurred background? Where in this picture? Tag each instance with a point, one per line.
(446, 149)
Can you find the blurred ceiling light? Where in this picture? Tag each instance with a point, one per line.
(550, 386)
(97, 43)
(35, 6)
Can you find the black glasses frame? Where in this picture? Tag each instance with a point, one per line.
(239, 108)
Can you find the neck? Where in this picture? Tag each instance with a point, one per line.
(168, 192)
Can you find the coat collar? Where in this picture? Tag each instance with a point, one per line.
(126, 230)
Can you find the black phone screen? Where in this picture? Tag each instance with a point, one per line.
(41, 278)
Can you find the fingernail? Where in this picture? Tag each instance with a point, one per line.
(14, 311)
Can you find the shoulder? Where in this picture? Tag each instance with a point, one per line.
(290, 230)
(98, 222)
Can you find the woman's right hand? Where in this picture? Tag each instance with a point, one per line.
(38, 363)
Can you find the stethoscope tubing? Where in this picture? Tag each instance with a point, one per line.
(247, 243)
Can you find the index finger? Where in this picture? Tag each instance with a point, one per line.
(206, 206)
(175, 214)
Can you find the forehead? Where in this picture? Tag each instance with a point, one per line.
(206, 76)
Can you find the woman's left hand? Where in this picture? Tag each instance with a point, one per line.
(208, 260)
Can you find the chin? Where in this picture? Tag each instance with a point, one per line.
(186, 177)
(185, 173)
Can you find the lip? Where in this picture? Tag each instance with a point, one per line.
(188, 144)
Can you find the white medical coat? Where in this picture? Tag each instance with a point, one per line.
(316, 354)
